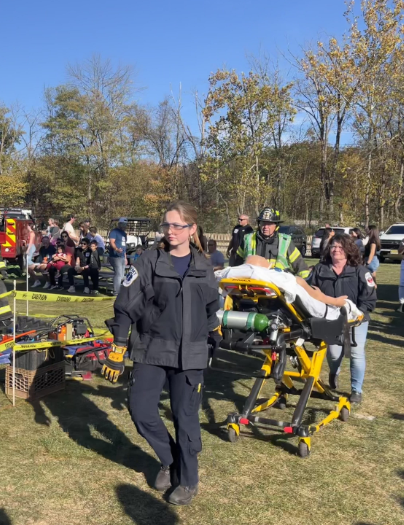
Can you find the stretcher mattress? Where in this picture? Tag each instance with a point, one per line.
(286, 282)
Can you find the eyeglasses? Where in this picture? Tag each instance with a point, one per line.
(240, 219)
(174, 226)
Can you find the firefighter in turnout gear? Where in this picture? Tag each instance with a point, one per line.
(6, 314)
(276, 247)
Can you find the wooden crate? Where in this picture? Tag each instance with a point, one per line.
(33, 384)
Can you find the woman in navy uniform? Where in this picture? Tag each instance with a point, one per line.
(169, 299)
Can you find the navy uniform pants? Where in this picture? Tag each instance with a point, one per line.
(185, 389)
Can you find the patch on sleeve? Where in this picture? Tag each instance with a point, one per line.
(131, 276)
(370, 280)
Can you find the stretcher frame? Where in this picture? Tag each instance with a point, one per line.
(309, 369)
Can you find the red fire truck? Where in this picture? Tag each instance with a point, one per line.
(14, 234)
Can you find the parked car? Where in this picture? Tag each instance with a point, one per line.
(299, 238)
(316, 239)
(390, 241)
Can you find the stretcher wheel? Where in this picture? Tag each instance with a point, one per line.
(282, 403)
(344, 414)
(232, 434)
(303, 450)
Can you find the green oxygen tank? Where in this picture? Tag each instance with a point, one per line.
(245, 321)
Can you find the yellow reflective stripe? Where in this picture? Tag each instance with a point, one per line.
(294, 255)
(2, 264)
(304, 274)
(5, 309)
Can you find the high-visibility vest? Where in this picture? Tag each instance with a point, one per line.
(282, 261)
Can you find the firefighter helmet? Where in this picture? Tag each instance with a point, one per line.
(269, 214)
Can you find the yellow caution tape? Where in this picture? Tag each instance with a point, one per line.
(22, 347)
(48, 297)
(6, 294)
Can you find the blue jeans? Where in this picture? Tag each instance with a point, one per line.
(335, 355)
(118, 265)
(374, 265)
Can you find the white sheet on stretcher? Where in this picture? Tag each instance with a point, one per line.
(286, 282)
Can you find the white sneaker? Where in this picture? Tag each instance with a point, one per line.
(71, 289)
(86, 290)
(47, 285)
(36, 284)
(54, 287)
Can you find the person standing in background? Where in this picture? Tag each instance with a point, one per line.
(216, 257)
(327, 236)
(69, 228)
(117, 252)
(357, 237)
(237, 236)
(401, 285)
(371, 249)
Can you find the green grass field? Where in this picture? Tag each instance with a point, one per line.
(75, 457)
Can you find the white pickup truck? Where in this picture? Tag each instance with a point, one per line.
(390, 242)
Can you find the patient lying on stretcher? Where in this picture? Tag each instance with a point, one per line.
(316, 303)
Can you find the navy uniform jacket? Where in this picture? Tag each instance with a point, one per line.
(355, 281)
(170, 316)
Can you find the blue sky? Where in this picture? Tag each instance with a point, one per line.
(167, 42)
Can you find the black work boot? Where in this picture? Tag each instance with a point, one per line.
(355, 398)
(333, 381)
(183, 495)
(166, 478)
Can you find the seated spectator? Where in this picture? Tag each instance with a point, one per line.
(94, 265)
(83, 258)
(93, 235)
(138, 252)
(70, 245)
(216, 257)
(60, 264)
(44, 256)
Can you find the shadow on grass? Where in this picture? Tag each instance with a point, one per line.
(79, 417)
(143, 508)
(4, 519)
(394, 415)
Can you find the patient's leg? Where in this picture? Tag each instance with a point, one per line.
(316, 293)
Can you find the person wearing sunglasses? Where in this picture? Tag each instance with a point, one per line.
(237, 236)
(169, 301)
(277, 248)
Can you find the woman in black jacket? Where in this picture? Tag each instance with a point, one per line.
(341, 273)
(169, 299)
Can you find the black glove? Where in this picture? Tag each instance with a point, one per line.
(214, 340)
